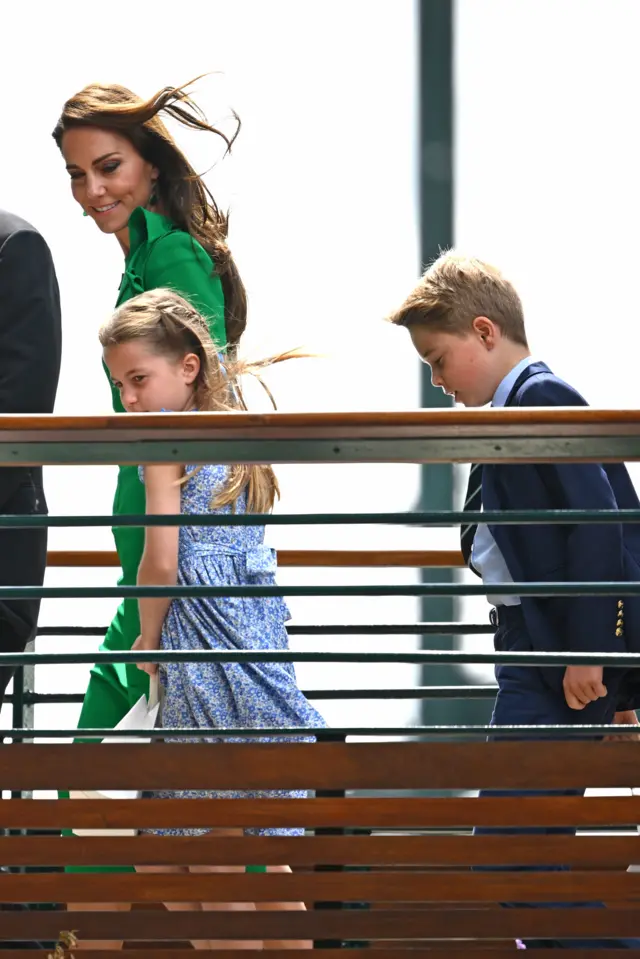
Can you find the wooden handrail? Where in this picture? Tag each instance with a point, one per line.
(419, 436)
(375, 421)
(366, 558)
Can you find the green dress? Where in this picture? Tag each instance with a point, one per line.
(160, 255)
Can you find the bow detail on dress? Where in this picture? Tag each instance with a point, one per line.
(261, 559)
(132, 280)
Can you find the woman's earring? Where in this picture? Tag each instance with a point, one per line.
(84, 213)
(153, 198)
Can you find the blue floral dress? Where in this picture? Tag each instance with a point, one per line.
(228, 694)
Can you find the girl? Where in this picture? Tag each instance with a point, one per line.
(160, 356)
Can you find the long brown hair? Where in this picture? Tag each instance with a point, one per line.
(182, 194)
(171, 327)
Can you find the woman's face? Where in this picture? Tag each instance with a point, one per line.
(109, 178)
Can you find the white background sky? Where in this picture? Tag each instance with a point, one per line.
(322, 188)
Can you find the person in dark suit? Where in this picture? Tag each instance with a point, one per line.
(466, 321)
(578, 553)
(30, 348)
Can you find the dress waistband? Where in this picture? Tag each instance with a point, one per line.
(259, 558)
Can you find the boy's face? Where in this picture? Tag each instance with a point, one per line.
(462, 365)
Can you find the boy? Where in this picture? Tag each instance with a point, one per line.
(466, 321)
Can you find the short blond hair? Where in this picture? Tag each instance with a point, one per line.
(456, 289)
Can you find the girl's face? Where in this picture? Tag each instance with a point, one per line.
(149, 382)
(109, 178)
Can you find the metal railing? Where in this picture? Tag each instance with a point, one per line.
(26, 697)
(538, 435)
(309, 559)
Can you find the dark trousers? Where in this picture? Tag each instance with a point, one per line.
(524, 698)
(23, 561)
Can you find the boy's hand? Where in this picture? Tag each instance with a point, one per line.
(627, 717)
(142, 643)
(583, 685)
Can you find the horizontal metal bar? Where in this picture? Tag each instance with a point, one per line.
(525, 731)
(617, 589)
(34, 699)
(416, 692)
(436, 657)
(433, 518)
(324, 629)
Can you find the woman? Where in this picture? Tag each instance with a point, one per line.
(128, 174)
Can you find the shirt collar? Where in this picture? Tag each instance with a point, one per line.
(145, 226)
(505, 386)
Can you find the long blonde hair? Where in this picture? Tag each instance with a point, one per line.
(171, 327)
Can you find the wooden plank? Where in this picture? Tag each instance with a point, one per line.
(82, 558)
(327, 924)
(367, 558)
(312, 850)
(387, 813)
(439, 951)
(477, 887)
(382, 953)
(370, 558)
(398, 765)
(481, 949)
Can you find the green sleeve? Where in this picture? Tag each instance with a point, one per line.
(179, 262)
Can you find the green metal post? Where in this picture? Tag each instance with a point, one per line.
(436, 184)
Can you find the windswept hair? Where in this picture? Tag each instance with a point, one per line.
(171, 327)
(182, 194)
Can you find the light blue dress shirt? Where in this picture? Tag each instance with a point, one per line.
(485, 555)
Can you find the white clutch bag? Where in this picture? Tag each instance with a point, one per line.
(141, 716)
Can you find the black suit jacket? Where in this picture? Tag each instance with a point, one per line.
(30, 330)
(30, 347)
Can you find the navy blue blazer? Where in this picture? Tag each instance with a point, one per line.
(578, 552)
